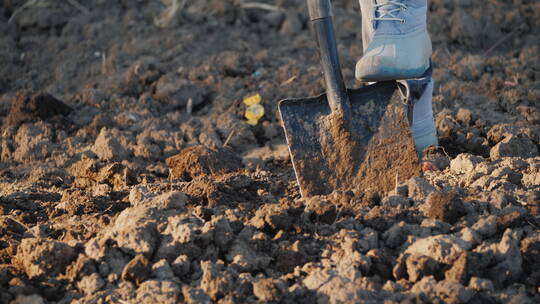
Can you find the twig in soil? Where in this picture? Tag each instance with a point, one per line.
(288, 81)
(338, 213)
(395, 187)
(79, 6)
(228, 138)
(18, 222)
(103, 63)
(168, 15)
(20, 9)
(263, 6)
(444, 151)
(501, 41)
(189, 106)
(514, 82)
(198, 216)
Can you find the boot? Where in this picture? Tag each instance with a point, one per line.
(423, 126)
(395, 39)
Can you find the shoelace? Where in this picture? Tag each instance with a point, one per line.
(388, 9)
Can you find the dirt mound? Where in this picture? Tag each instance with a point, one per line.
(199, 160)
(90, 213)
(29, 107)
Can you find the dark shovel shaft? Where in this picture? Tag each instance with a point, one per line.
(320, 12)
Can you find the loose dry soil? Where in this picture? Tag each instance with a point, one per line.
(95, 98)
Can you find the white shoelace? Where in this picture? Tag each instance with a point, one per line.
(388, 9)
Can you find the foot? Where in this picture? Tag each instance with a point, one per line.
(395, 38)
(423, 126)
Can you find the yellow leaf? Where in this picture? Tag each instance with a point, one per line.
(253, 100)
(253, 122)
(255, 111)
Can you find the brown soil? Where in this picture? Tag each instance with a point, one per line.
(389, 157)
(32, 108)
(90, 214)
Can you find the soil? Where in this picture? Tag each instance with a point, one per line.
(388, 158)
(96, 95)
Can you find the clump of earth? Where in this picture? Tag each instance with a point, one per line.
(128, 173)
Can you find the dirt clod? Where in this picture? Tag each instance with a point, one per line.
(30, 107)
(137, 270)
(91, 211)
(38, 257)
(266, 290)
(199, 160)
(445, 206)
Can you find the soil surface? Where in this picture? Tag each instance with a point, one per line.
(97, 95)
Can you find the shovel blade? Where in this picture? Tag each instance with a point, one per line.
(384, 152)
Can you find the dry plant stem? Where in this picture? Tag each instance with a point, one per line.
(501, 41)
(168, 15)
(79, 6)
(288, 81)
(21, 8)
(263, 6)
(228, 138)
(189, 107)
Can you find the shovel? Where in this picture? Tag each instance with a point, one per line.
(348, 139)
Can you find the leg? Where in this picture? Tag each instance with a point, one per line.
(395, 39)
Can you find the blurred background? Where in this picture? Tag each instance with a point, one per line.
(181, 68)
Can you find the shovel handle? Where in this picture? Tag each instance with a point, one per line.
(320, 12)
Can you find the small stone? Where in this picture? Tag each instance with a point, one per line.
(28, 107)
(426, 285)
(30, 299)
(193, 295)
(170, 200)
(292, 24)
(199, 160)
(464, 116)
(274, 18)
(162, 270)
(510, 220)
(465, 163)
(272, 217)
(443, 248)
(108, 148)
(452, 292)
(530, 249)
(181, 265)
(467, 265)
(137, 270)
(245, 259)
(266, 290)
(445, 206)
(533, 202)
(486, 226)
(9, 226)
(38, 257)
(510, 267)
(419, 266)
(158, 291)
(397, 201)
(470, 236)
(513, 146)
(216, 281)
(90, 284)
(175, 92)
(419, 188)
(321, 210)
(117, 176)
(480, 284)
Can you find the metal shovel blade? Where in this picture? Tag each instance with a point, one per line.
(381, 153)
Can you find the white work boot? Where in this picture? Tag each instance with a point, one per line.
(423, 127)
(395, 39)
